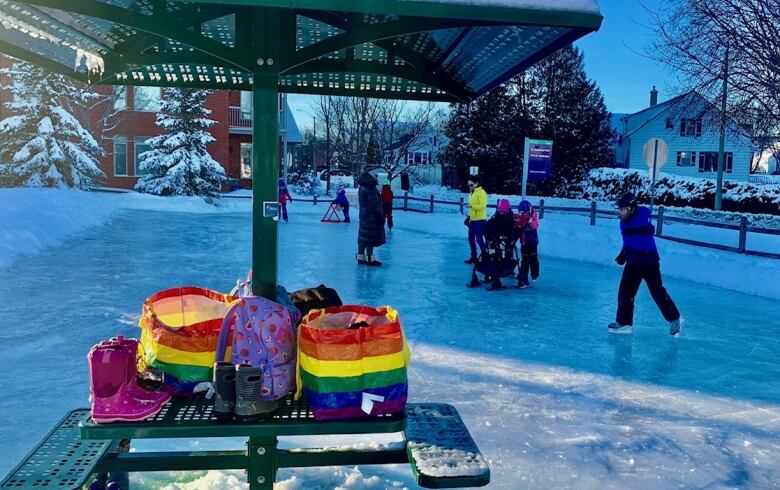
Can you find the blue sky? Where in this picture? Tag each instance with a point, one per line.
(613, 58)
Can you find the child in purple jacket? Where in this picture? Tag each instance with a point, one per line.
(341, 201)
(642, 263)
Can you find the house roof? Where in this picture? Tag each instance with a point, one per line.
(653, 112)
(445, 50)
(293, 132)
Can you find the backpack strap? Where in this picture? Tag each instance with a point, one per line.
(224, 331)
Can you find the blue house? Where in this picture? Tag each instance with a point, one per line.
(689, 124)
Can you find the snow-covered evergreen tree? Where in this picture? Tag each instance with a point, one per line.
(178, 162)
(42, 144)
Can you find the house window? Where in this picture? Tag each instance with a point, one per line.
(147, 99)
(246, 105)
(119, 95)
(141, 146)
(120, 156)
(684, 159)
(708, 161)
(418, 157)
(690, 127)
(246, 160)
(669, 123)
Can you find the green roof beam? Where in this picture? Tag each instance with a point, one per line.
(377, 68)
(162, 25)
(451, 10)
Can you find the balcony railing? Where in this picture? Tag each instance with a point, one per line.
(242, 119)
(239, 118)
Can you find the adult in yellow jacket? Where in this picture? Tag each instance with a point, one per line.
(477, 218)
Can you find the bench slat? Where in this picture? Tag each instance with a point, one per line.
(61, 460)
(441, 452)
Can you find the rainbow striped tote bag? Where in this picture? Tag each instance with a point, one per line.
(179, 333)
(352, 362)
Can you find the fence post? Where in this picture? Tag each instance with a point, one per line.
(315, 199)
(461, 204)
(659, 222)
(431, 203)
(593, 213)
(742, 233)
(406, 200)
(541, 208)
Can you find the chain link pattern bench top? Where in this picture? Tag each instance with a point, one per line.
(194, 417)
(441, 452)
(61, 460)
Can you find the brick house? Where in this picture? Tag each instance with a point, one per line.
(233, 149)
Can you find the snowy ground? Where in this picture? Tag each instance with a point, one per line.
(551, 399)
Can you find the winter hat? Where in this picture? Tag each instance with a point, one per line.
(282, 184)
(524, 206)
(386, 182)
(341, 188)
(504, 206)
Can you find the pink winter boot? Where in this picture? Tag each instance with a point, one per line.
(108, 375)
(133, 389)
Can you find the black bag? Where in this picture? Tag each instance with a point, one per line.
(315, 298)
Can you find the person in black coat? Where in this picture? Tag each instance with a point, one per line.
(372, 222)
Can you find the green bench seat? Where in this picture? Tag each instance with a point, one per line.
(62, 460)
(441, 452)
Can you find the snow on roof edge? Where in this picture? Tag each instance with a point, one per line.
(578, 6)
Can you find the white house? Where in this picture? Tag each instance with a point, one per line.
(689, 125)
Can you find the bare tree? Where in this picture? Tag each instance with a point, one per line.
(695, 37)
(400, 131)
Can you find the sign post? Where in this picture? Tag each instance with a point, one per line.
(656, 153)
(537, 161)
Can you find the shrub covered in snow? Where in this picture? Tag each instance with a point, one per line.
(605, 184)
(44, 145)
(305, 183)
(178, 163)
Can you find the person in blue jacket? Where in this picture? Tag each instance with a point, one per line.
(642, 263)
(342, 201)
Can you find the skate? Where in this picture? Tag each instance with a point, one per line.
(471, 260)
(676, 327)
(617, 328)
(361, 259)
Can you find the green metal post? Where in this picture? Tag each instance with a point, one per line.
(262, 462)
(263, 33)
(265, 185)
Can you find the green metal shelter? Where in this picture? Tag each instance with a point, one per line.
(440, 50)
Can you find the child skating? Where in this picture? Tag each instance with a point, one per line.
(641, 262)
(527, 222)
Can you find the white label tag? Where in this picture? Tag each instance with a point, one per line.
(368, 402)
(210, 393)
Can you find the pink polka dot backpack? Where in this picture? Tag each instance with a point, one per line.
(261, 333)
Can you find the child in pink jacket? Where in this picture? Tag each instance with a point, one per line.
(528, 222)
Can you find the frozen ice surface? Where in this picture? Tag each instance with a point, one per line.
(551, 399)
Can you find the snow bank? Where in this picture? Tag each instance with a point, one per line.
(34, 219)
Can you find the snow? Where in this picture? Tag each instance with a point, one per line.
(551, 399)
(585, 6)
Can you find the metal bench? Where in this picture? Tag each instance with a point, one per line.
(440, 449)
(62, 460)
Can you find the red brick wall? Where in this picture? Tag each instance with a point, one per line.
(142, 124)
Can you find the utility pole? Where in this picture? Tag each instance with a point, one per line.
(722, 145)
